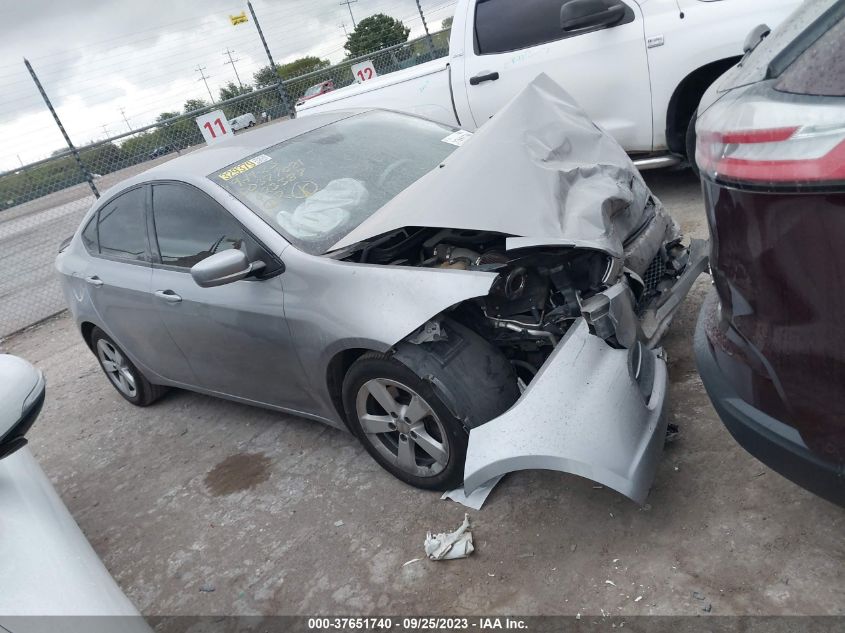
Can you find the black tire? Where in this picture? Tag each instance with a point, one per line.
(126, 379)
(690, 144)
(374, 366)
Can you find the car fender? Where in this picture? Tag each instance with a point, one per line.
(332, 306)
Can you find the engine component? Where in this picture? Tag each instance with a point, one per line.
(516, 292)
(449, 254)
(493, 257)
(515, 282)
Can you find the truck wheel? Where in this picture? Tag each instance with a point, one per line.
(690, 145)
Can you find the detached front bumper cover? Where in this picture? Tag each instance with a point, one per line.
(585, 414)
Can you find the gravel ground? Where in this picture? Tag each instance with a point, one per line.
(201, 506)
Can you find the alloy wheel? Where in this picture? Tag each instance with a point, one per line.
(403, 427)
(117, 368)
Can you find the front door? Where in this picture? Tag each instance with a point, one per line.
(235, 336)
(604, 69)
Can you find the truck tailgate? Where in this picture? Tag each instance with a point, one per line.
(423, 90)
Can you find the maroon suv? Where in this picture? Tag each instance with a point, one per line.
(770, 341)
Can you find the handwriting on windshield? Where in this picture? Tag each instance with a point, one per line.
(274, 182)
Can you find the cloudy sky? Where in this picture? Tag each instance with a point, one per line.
(95, 57)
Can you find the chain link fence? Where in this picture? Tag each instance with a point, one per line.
(42, 203)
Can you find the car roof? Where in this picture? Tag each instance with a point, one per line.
(204, 161)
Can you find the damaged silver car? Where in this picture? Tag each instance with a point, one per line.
(467, 305)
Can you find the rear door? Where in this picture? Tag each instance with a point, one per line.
(604, 68)
(118, 278)
(235, 336)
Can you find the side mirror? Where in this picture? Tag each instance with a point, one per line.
(757, 35)
(584, 14)
(223, 268)
(21, 397)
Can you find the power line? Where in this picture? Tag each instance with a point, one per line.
(204, 78)
(231, 61)
(349, 4)
(125, 120)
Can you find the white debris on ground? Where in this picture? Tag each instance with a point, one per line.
(476, 498)
(446, 546)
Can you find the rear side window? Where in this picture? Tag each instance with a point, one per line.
(190, 226)
(509, 25)
(805, 76)
(121, 227)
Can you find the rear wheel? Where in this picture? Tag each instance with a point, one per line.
(122, 374)
(403, 424)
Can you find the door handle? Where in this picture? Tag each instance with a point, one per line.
(94, 281)
(168, 295)
(474, 81)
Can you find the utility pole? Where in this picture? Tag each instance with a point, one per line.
(231, 61)
(427, 34)
(125, 120)
(343, 26)
(82, 168)
(105, 130)
(280, 85)
(349, 4)
(204, 78)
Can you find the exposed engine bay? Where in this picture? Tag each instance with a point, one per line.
(539, 291)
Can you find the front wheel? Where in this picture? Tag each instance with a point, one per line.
(403, 424)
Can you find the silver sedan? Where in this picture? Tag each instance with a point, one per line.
(466, 305)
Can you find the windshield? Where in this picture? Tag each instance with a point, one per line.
(313, 90)
(315, 188)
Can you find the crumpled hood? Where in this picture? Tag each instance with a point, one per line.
(539, 169)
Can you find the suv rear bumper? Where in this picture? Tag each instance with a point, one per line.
(773, 442)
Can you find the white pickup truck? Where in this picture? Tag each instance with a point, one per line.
(638, 67)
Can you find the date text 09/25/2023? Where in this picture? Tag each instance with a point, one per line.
(414, 624)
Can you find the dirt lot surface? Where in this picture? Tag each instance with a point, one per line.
(201, 506)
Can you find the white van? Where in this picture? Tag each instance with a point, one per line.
(243, 121)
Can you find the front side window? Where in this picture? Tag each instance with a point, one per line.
(510, 25)
(190, 226)
(121, 227)
(317, 187)
(89, 236)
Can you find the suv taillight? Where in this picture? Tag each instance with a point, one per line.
(757, 135)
